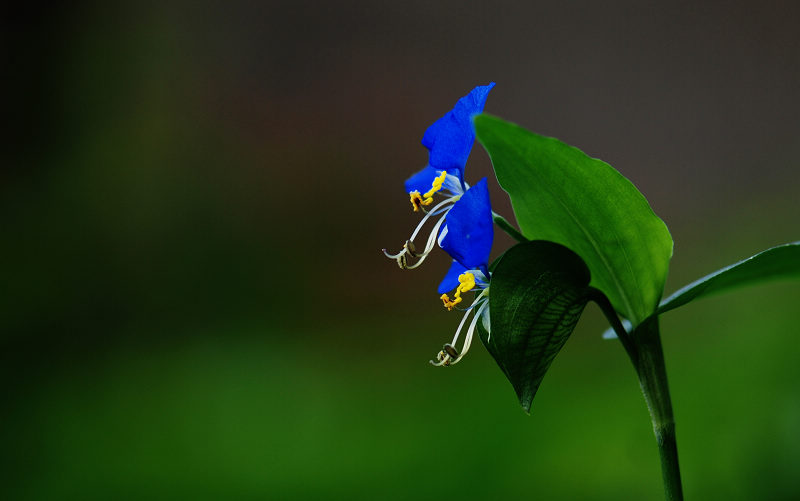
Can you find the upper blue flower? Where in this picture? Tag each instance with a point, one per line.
(449, 141)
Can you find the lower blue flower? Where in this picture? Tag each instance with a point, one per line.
(467, 236)
(469, 229)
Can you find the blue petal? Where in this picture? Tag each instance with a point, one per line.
(450, 280)
(422, 180)
(470, 229)
(450, 138)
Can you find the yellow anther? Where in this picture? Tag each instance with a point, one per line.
(417, 200)
(450, 304)
(436, 186)
(466, 282)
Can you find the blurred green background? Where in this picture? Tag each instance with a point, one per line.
(195, 197)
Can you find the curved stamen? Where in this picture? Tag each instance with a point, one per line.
(475, 303)
(430, 244)
(440, 208)
(471, 332)
(442, 359)
(449, 355)
(450, 350)
(433, 212)
(445, 360)
(394, 256)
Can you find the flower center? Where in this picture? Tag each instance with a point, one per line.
(417, 200)
(466, 283)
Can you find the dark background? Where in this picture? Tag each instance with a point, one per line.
(194, 200)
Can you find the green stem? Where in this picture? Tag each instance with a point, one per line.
(504, 225)
(644, 349)
(602, 301)
(648, 359)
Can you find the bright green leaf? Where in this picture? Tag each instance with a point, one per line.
(538, 292)
(782, 261)
(562, 195)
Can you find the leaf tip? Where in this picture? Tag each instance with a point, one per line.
(525, 395)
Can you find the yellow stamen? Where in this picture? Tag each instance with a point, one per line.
(436, 186)
(466, 282)
(450, 304)
(417, 200)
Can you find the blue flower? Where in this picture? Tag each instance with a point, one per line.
(467, 236)
(449, 141)
(469, 228)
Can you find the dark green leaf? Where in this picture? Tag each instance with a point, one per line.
(538, 292)
(782, 261)
(560, 194)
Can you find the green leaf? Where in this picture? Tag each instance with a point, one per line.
(782, 261)
(560, 194)
(538, 292)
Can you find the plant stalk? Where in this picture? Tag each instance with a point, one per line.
(643, 346)
(504, 225)
(647, 356)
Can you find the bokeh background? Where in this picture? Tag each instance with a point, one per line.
(195, 196)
